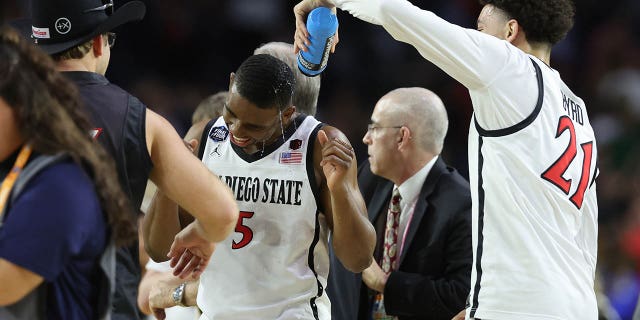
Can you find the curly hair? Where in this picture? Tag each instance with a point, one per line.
(546, 21)
(48, 114)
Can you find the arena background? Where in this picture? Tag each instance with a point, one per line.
(184, 50)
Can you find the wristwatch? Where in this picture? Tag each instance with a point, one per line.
(178, 295)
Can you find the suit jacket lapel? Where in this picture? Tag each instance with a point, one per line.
(421, 205)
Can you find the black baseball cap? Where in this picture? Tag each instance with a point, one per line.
(58, 25)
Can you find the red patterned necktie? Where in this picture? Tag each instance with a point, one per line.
(389, 252)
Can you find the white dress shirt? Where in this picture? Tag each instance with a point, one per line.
(409, 191)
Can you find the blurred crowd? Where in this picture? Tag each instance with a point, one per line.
(184, 51)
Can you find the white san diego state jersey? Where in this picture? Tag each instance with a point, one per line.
(535, 218)
(532, 169)
(275, 263)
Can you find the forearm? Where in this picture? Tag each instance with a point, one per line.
(160, 225)
(206, 198)
(160, 295)
(191, 293)
(353, 235)
(144, 289)
(186, 181)
(220, 214)
(165, 295)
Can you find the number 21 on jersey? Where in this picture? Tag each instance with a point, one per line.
(555, 172)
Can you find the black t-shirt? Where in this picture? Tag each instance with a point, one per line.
(119, 120)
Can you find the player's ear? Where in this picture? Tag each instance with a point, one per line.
(232, 78)
(192, 144)
(288, 112)
(512, 30)
(97, 47)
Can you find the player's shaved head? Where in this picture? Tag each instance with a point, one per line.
(422, 112)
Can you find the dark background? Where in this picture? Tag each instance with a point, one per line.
(184, 50)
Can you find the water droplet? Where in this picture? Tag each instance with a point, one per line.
(282, 126)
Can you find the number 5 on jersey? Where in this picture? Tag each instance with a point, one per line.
(554, 174)
(245, 231)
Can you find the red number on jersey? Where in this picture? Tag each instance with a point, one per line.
(578, 196)
(247, 233)
(554, 174)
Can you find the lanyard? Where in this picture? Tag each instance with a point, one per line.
(11, 178)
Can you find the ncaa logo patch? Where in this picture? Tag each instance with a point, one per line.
(219, 134)
(63, 25)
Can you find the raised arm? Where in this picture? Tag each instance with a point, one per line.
(353, 235)
(186, 181)
(462, 53)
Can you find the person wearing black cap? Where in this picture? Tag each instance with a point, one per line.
(77, 34)
(61, 208)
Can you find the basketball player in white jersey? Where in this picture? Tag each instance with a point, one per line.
(294, 179)
(532, 151)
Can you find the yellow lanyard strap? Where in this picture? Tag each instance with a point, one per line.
(11, 178)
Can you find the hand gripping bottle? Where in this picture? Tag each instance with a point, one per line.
(322, 25)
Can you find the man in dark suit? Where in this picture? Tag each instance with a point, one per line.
(422, 262)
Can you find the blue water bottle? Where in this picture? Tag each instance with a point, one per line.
(322, 25)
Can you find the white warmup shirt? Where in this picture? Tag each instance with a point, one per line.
(532, 157)
(275, 265)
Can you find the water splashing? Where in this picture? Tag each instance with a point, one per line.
(281, 125)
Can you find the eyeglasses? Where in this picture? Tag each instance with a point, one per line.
(372, 127)
(107, 7)
(111, 39)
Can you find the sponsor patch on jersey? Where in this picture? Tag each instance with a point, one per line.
(291, 157)
(219, 134)
(295, 144)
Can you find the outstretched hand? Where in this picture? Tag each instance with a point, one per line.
(338, 161)
(190, 252)
(301, 10)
